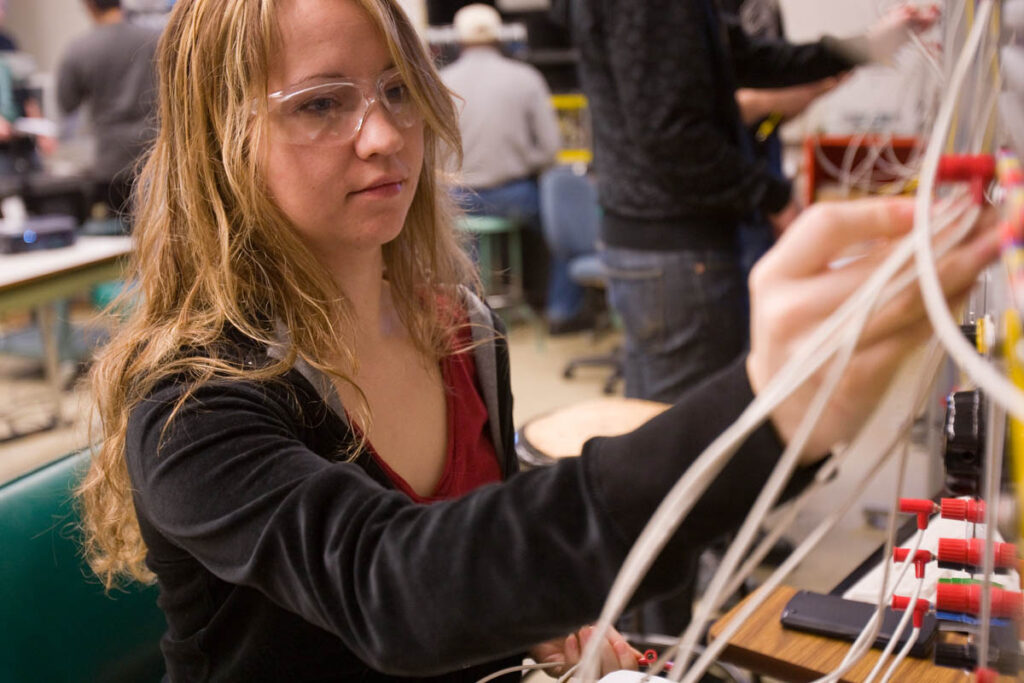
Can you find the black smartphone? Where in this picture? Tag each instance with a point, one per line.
(831, 615)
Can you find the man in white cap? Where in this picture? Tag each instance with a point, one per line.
(509, 135)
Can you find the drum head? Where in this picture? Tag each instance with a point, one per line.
(561, 433)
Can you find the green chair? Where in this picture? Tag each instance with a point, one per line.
(502, 280)
(58, 625)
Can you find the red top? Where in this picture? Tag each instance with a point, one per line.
(471, 460)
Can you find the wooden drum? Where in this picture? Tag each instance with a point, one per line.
(561, 433)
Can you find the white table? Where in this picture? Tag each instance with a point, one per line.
(36, 280)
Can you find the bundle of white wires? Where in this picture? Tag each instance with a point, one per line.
(937, 228)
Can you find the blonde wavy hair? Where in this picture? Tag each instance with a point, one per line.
(213, 253)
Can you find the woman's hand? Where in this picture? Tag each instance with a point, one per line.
(893, 30)
(616, 654)
(795, 287)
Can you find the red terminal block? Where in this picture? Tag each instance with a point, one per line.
(920, 507)
(901, 602)
(976, 169)
(921, 558)
(966, 599)
(969, 510)
(985, 676)
(649, 657)
(972, 552)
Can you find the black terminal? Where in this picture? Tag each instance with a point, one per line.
(965, 442)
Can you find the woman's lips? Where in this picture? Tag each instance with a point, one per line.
(382, 190)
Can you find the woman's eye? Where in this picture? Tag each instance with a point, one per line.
(317, 106)
(396, 93)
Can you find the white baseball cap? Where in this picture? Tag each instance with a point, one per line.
(477, 23)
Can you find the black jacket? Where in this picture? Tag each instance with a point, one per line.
(660, 77)
(278, 561)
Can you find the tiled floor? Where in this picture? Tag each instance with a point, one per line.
(537, 362)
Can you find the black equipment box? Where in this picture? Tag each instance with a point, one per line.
(37, 232)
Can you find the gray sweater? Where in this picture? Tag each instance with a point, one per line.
(111, 71)
(509, 129)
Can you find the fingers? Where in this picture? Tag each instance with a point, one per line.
(628, 657)
(798, 303)
(865, 381)
(924, 17)
(616, 653)
(958, 271)
(826, 230)
(570, 656)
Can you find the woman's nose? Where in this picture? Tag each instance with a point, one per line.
(378, 133)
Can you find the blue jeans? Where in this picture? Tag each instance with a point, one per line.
(519, 200)
(683, 314)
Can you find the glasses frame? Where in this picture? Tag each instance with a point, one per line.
(279, 98)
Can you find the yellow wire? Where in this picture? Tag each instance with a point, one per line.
(997, 81)
(954, 124)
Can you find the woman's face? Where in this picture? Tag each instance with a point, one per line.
(344, 196)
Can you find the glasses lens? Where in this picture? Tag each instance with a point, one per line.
(397, 99)
(320, 112)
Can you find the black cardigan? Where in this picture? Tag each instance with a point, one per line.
(277, 561)
(661, 77)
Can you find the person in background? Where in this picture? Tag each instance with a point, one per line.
(675, 172)
(509, 135)
(110, 71)
(307, 436)
(7, 41)
(763, 110)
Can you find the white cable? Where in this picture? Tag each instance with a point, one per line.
(568, 674)
(714, 594)
(522, 667)
(867, 636)
(905, 618)
(993, 474)
(687, 490)
(756, 599)
(824, 476)
(904, 651)
(984, 375)
(684, 494)
(893, 403)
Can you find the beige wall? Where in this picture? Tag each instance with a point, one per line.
(44, 27)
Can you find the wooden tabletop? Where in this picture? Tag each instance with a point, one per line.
(764, 646)
(34, 277)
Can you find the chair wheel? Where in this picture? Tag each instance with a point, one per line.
(568, 373)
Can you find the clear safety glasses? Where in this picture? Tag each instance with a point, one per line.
(333, 112)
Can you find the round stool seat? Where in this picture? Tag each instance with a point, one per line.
(561, 433)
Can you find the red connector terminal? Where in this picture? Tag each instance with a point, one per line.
(985, 676)
(972, 552)
(920, 507)
(901, 602)
(976, 169)
(921, 558)
(650, 657)
(966, 599)
(969, 510)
